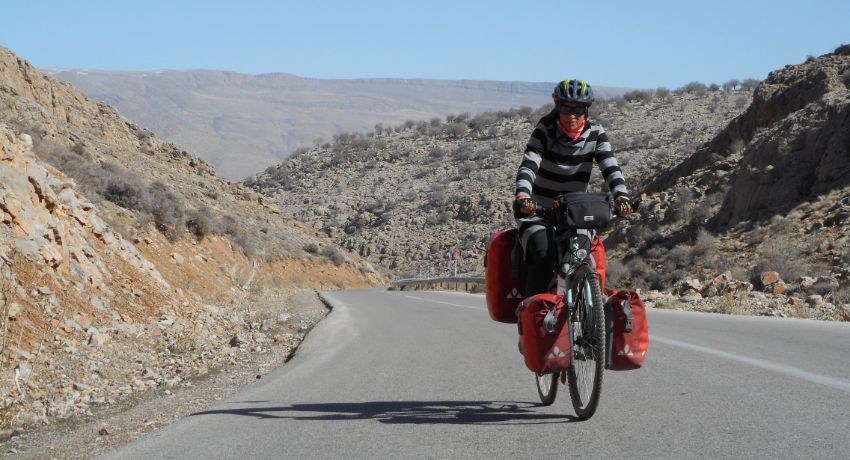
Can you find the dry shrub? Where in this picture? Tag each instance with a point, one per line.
(666, 303)
(729, 305)
(679, 257)
(333, 254)
(704, 244)
(783, 256)
(616, 273)
(801, 311)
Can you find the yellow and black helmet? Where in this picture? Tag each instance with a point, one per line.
(573, 91)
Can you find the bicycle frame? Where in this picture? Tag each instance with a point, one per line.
(575, 264)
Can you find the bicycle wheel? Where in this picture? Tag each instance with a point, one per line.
(587, 343)
(547, 387)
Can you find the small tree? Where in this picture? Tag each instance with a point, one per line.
(455, 130)
(731, 85)
(694, 87)
(750, 84)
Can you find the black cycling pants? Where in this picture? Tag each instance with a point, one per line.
(540, 256)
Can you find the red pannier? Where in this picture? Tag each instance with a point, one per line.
(628, 331)
(544, 352)
(597, 250)
(504, 276)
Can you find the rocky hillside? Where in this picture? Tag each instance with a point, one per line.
(404, 198)
(745, 205)
(766, 202)
(125, 263)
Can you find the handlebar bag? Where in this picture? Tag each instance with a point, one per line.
(504, 276)
(544, 352)
(628, 331)
(583, 210)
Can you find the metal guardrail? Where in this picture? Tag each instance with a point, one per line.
(466, 283)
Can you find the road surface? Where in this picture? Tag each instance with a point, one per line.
(429, 375)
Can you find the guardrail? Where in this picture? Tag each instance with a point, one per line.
(456, 283)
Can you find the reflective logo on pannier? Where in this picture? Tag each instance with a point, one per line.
(555, 354)
(514, 294)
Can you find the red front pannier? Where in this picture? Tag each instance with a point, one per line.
(628, 331)
(544, 352)
(504, 276)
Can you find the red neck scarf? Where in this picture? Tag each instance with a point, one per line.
(573, 134)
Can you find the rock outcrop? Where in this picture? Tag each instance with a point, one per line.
(125, 263)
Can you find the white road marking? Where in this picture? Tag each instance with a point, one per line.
(444, 303)
(838, 384)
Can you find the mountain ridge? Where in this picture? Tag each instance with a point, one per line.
(266, 117)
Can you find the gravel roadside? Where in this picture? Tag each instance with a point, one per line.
(114, 425)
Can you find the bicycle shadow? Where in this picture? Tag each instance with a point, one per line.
(407, 412)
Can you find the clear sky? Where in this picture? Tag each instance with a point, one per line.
(611, 43)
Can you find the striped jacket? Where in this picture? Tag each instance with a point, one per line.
(554, 164)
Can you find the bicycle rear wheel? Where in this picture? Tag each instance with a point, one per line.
(587, 342)
(547, 387)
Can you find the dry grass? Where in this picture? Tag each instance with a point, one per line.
(729, 305)
(801, 311)
(668, 304)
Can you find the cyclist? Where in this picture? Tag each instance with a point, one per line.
(559, 159)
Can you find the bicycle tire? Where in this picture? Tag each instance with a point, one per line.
(547, 387)
(587, 344)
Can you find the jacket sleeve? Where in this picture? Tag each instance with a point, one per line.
(609, 166)
(530, 162)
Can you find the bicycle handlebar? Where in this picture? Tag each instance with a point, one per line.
(549, 213)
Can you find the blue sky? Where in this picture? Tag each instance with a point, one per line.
(611, 43)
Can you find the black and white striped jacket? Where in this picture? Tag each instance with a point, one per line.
(554, 164)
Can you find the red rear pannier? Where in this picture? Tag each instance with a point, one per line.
(597, 250)
(504, 276)
(628, 331)
(544, 352)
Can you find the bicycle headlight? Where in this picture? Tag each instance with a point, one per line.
(581, 254)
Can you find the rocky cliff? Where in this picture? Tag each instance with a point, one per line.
(126, 264)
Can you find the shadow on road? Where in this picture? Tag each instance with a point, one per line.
(408, 412)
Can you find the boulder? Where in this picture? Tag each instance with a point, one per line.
(177, 259)
(778, 287)
(768, 278)
(690, 286)
(100, 339)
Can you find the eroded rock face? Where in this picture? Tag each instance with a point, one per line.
(47, 222)
(86, 306)
(791, 145)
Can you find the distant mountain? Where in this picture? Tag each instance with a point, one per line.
(242, 124)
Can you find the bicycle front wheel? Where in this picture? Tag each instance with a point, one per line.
(547, 387)
(587, 342)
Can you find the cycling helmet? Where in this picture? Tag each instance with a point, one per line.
(573, 91)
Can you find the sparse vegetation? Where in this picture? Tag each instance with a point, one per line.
(332, 253)
(694, 87)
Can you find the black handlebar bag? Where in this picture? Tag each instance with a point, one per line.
(581, 210)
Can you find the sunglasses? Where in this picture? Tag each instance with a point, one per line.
(572, 110)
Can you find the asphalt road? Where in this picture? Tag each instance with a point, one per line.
(429, 375)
